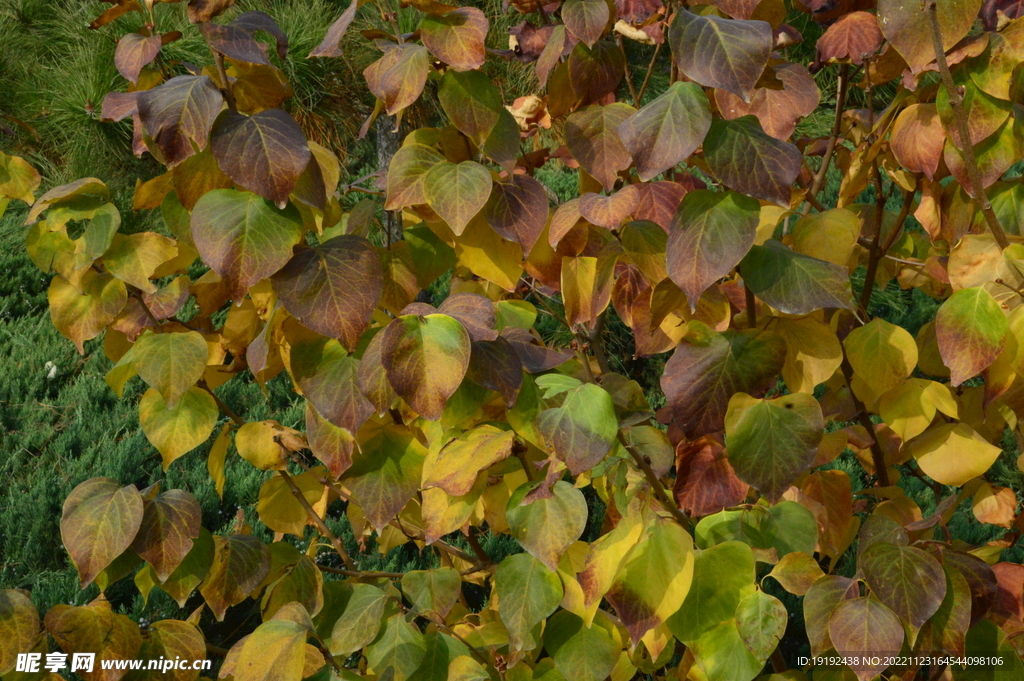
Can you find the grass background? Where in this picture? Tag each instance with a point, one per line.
(59, 422)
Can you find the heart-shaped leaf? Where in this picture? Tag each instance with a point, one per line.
(667, 130)
(742, 156)
(728, 54)
(425, 359)
(457, 192)
(456, 37)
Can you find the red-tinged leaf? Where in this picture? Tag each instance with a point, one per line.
(170, 523)
(530, 40)
(133, 52)
(372, 378)
(240, 562)
(980, 578)
(991, 9)
(771, 443)
(994, 156)
(425, 359)
(405, 175)
(261, 21)
(563, 220)
(705, 481)
(243, 237)
(663, 133)
(855, 36)
(862, 625)
(822, 598)
(200, 11)
(99, 521)
(329, 443)
(472, 102)
(457, 37)
(610, 211)
(593, 139)
(700, 378)
(19, 624)
(264, 153)
(971, 330)
(917, 139)
(95, 629)
(495, 365)
(398, 77)
(518, 210)
(586, 19)
(907, 27)
(750, 161)
(332, 288)
(711, 233)
(728, 54)
(330, 46)
(118, 10)
(534, 355)
(81, 314)
(119, 105)
(475, 312)
(554, 50)
(659, 201)
(386, 472)
(179, 114)
(1009, 579)
(233, 42)
(595, 72)
(326, 374)
(457, 192)
(777, 110)
(907, 579)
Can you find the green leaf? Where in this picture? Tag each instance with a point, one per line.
(655, 579)
(580, 652)
(190, 573)
(178, 115)
(711, 233)
(882, 356)
(722, 653)
(527, 593)
(546, 526)
(405, 175)
(863, 625)
(457, 37)
(400, 646)
(385, 473)
(360, 607)
(723, 576)
(908, 28)
(728, 54)
(794, 283)
(170, 523)
(81, 313)
(170, 362)
(746, 159)
(457, 192)
(326, 374)
(946, 631)
(784, 528)
(425, 359)
(440, 650)
(700, 378)
(593, 139)
(586, 19)
(19, 626)
(761, 621)
(243, 237)
(333, 288)
(264, 153)
(583, 430)
(771, 443)
(907, 579)
(240, 562)
(433, 591)
(99, 521)
(971, 330)
(175, 431)
(471, 101)
(669, 128)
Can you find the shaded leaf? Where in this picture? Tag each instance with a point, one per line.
(98, 522)
(133, 52)
(592, 137)
(80, 314)
(398, 77)
(746, 159)
(859, 625)
(330, 46)
(170, 523)
(518, 210)
(240, 562)
(178, 114)
(795, 283)
(527, 593)
(386, 472)
(583, 430)
(667, 130)
(728, 54)
(586, 19)
(906, 579)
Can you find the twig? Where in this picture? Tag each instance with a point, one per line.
(647, 77)
(656, 487)
(877, 455)
(876, 249)
(157, 326)
(956, 102)
(229, 96)
(239, 421)
(629, 78)
(360, 573)
(748, 296)
(597, 344)
(830, 148)
(474, 544)
(318, 521)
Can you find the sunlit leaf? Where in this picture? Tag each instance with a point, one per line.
(971, 329)
(864, 624)
(457, 192)
(586, 19)
(907, 579)
(457, 37)
(907, 27)
(19, 624)
(99, 521)
(667, 129)
(386, 472)
(240, 562)
(728, 54)
(180, 113)
(953, 453)
(398, 77)
(455, 465)
(795, 283)
(593, 139)
(527, 593)
(547, 526)
(81, 314)
(414, 350)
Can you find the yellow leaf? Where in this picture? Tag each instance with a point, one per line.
(276, 651)
(489, 256)
(453, 465)
(953, 453)
(910, 407)
(813, 352)
(768, 221)
(995, 505)
(81, 313)
(281, 511)
(174, 431)
(830, 235)
(882, 355)
(256, 444)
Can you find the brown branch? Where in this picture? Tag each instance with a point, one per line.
(360, 573)
(656, 487)
(629, 78)
(318, 521)
(837, 121)
(474, 543)
(239, 421)
(647, 77)
(596, 342)
(956, 102)
(877, 250)
(222, 74)
(748, 296)
(157, 326)
(877, 455)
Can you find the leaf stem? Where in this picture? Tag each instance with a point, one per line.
(222, 74)
(629, 78)
(239, 421)
(656, 487)
(318, 521)
(877, 455)
(956, 101)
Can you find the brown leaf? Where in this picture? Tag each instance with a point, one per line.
(99, 521)
(170, 522)
(592, 137)
(610, 211)
(855, 36)
(917, 139)
(495, 365)
(330, 46)
(778, 110)
(179, 114)
(705, 482)
(133, 52)
(118, 10)
(475, 312)
(261, 21)
(659, 200)
(233, 42)
(200, 11)
(528, 41)
(518, 210)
